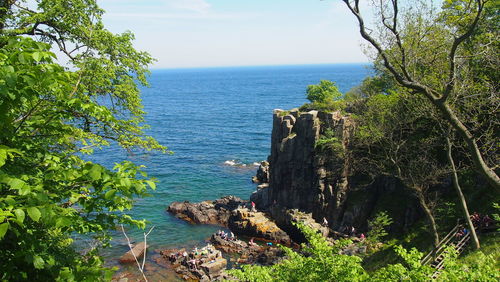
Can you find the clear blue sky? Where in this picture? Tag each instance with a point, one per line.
(204, 33)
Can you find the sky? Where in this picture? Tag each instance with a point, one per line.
(211, 33)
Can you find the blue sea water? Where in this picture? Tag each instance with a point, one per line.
(208, 116)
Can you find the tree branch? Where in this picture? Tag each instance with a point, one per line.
(452, 55)
(409, 83)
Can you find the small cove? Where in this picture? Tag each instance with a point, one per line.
(211, 118)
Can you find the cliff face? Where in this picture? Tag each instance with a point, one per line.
(309, 170)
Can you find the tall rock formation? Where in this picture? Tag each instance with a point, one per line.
(309, 170)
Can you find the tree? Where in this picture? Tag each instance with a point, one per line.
(426, 56)
(396, 135)
(323, 92)
(49, 117)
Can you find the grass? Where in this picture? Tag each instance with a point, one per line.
(418, 237)
(490, 245)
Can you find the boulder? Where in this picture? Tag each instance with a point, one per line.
(214, 266)
(208, 212)
(256, 224)
(228, 246)
(198, 264)
(285, 219)
(138, 250)
(262, 175)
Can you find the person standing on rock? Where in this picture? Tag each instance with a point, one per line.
(253, 207)
(325, 222)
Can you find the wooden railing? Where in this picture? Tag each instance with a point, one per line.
(436, 258)
(432, 255)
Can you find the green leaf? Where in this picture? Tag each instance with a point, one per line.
(3, 229)
(151, 184)
(21, 58)
(125, 182)
(20, 215)
(38, 262)
(110, 194)
(34, 213)
(16, 183)
(37, 56)
(95, 172)
(63, 221)
(24, 190)
(3, 156)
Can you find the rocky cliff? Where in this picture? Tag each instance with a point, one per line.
(310, 170)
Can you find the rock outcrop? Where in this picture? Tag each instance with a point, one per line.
(310, 171)
(300, 175)
(248, 253)
(208, 212)
(256, 224)
(138, 250)
(286, 219)
(262, 175)
(232, 212)
(205, 264)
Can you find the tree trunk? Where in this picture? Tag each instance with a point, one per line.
(463, 203)
(429, 215)
(473, 149)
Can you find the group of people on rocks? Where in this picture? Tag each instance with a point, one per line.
(226, 236)
(349, 231)
(196, 257)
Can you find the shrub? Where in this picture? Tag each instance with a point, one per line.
(323, 92)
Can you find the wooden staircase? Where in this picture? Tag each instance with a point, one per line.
(436, 258)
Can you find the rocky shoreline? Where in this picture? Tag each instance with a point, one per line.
(300, 182)
(234, 213)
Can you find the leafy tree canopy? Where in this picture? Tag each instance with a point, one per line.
(51, 115)
(323, 92)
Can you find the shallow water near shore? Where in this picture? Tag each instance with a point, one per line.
(218, 123)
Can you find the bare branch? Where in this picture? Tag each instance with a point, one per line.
(456, 42)
(409, 83)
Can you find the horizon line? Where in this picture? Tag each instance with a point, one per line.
(250, 66)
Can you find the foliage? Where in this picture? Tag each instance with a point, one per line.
(483, 268)
(326, 106)
(444, 66)
(496, 206)
(410, 270)
(318, 261)
(323, 92)
(49, 118)
(381, 83)
(328, 142)
(377, 227)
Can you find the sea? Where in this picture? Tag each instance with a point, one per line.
(217, 122)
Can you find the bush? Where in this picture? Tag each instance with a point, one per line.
(377, 227)
(329, 143)
(323, 92)
(321, 261)
(327, 106)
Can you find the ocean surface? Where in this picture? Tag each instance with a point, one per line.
(218, 123)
